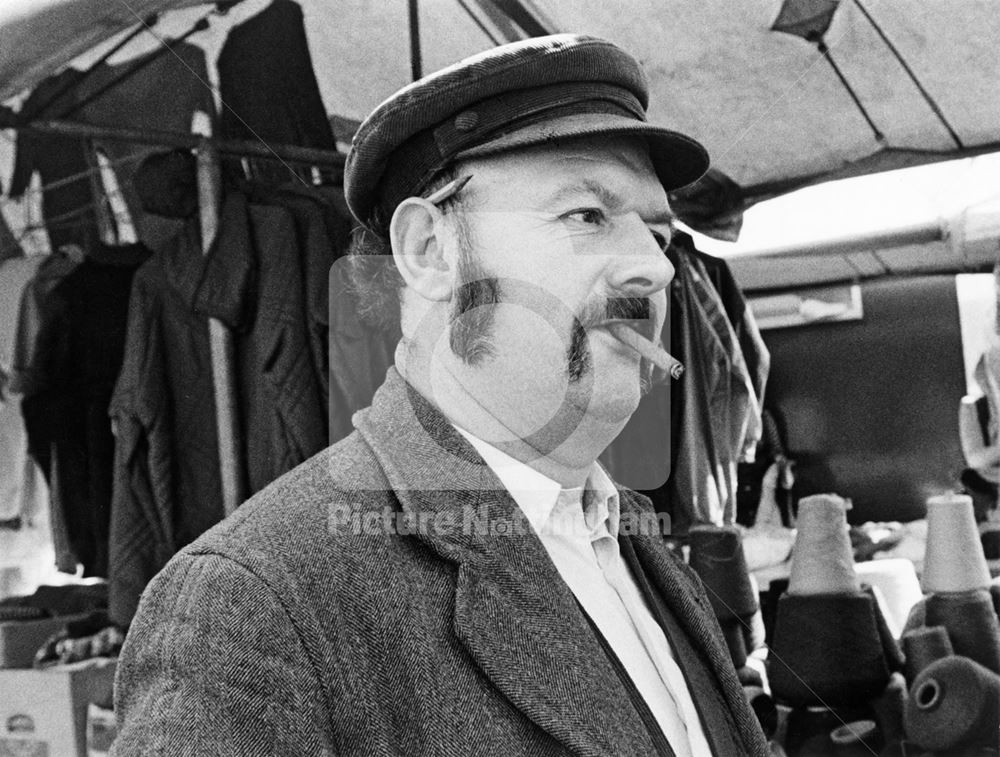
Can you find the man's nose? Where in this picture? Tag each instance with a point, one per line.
(641, 269)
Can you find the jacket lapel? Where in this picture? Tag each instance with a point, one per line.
(512, 611)
(681, 591)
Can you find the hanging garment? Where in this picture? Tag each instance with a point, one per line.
(63, 164)
(38, 314)
(77, 369)
(698, 482)
(746, 426)
(737, 418)
(37, 334)
(269, 90)
(37, 331)
(17, 473)
(714, 410)
(15, 276)
(163, 95)
(323, 232)
(713, 205)
(671, 403)
(717, 399)
(358, 353)
(167, 489)
(253, 282)
(755, 353)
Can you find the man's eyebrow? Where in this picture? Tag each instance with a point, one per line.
(609, 198)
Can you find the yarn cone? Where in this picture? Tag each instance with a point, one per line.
(971, 623)
(822, 561)
(922, 646)
(953, 559)
(888, 708)
(717, 557)
(857, 739)
(827, 651)
(953, 703)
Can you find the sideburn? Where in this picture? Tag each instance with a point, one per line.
(578, 356)
(474, 313)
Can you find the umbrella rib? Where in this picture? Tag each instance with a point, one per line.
(482, 27)
(913, 77)
(821, 46)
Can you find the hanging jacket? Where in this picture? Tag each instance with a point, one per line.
(75, 371)
(171, 89)
(253, 282)
(63, 164)
(756, 356)
(269, 89)
(322, 232)
(167, 488)
(715, 414)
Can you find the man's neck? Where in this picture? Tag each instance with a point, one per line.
(569, 464)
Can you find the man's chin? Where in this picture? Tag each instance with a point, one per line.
(610, 406)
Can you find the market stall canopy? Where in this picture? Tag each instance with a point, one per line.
(772, 110)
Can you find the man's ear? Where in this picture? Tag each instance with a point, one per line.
(419, 249)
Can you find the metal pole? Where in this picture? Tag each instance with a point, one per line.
(234, 487)
(416, 66)
(245, 148)
(921, 233)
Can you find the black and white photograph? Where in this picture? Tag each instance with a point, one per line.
(488, 378)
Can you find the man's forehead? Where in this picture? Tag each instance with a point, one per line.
(617, 171)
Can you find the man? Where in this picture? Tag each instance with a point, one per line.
(459, 576)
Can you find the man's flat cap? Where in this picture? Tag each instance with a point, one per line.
(525, 93)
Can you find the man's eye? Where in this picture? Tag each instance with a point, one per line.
(586, 215)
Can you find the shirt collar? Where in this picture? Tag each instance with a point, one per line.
(536, 494)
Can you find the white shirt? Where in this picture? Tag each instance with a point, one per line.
(580, 535)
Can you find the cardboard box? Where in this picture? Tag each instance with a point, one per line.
(20, 639)
(43, 713)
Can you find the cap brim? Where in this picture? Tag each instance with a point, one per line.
(678, 159)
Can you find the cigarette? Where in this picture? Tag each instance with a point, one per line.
(652, 352)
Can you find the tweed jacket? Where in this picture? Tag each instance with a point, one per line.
(288, 630)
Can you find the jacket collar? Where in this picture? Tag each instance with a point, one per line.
(512, 611)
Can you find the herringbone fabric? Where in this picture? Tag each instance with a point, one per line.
(283, 632)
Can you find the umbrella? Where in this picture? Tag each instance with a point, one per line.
(773, 115)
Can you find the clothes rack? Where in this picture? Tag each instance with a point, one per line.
(209, 177)
(239, 147)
